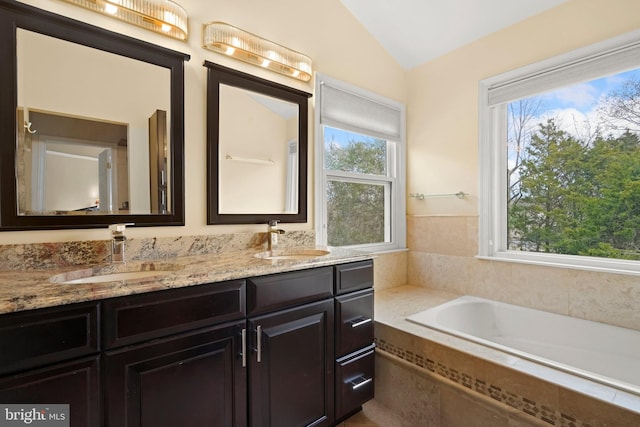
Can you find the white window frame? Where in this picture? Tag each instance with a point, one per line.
(394, 182)
(608, 57)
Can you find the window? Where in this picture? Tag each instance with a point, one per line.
(360, 175)
(560, 160)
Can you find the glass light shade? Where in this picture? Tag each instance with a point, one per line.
(162, 16)
(232, 41)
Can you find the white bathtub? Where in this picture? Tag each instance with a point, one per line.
(603, 353)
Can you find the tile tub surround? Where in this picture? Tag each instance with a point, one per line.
(442, 252)
(543, 393)
(422, 398)
(30, 288)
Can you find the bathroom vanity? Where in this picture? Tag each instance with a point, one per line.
(293, 348)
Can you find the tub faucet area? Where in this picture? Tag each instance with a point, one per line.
(117, 242)
(272, 234)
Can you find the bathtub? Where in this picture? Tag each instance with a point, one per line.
(602, 353)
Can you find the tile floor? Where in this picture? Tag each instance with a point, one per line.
(373, 415)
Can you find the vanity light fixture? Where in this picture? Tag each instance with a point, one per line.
(162, 16)
(232, 41)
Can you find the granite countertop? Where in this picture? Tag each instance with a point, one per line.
(31, 289)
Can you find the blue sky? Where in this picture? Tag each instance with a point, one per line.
(584, 97)
(575, 108)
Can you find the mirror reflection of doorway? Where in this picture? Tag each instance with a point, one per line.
(73, 170)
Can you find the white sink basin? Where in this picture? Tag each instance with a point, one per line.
(293, 254)
(106, 274)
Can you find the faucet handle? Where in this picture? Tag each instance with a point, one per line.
(273, 223)
(119, 228)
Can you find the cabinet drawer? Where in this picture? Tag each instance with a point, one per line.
(354, 320)
(39, 337)
(269, 293)
(354, 381)
(141, 317)
(354, 276)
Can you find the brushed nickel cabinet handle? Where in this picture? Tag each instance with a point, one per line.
(356, 385)
(244, 347)
(259, 344)
(360, 322)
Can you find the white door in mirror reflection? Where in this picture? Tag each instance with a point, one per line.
(71, 170)
(64, 180)
(106, 173)
(292, 178)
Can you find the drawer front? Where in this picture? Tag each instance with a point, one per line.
(141, 317)
(38, 337)
(269, 293)
(354, 276)
(354, 320)
(354, 381)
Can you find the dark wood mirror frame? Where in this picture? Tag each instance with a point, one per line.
(217, 75)
(15, 15)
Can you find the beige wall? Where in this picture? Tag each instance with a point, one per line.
(322, 29)
(442, 112)
(251, 130)
(442, 138)
(442, 142)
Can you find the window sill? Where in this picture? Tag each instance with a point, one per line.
(602, 265)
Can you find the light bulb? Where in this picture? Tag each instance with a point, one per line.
(111, 9)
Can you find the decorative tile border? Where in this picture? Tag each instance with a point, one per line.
(523, 404)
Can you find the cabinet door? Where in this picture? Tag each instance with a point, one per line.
(72, 383)
(189, 380)
(291, 368)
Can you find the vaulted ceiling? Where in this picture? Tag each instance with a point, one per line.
(416, 31)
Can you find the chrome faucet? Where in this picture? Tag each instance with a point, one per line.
(272, 234)
(117, 242)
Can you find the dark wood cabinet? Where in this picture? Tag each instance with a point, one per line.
(290, 349)
(136, 318)
(183, 361)
(291, 371)
(50, 356)
(291, 366)
(354, 381)
(189, 380)
(354, 321)
(73, 383)
(36, 338)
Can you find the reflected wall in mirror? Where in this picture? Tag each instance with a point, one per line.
(96, 119)
(258, 153)
(257, 149)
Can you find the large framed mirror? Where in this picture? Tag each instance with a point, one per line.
(91, 125)
(256, 149)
